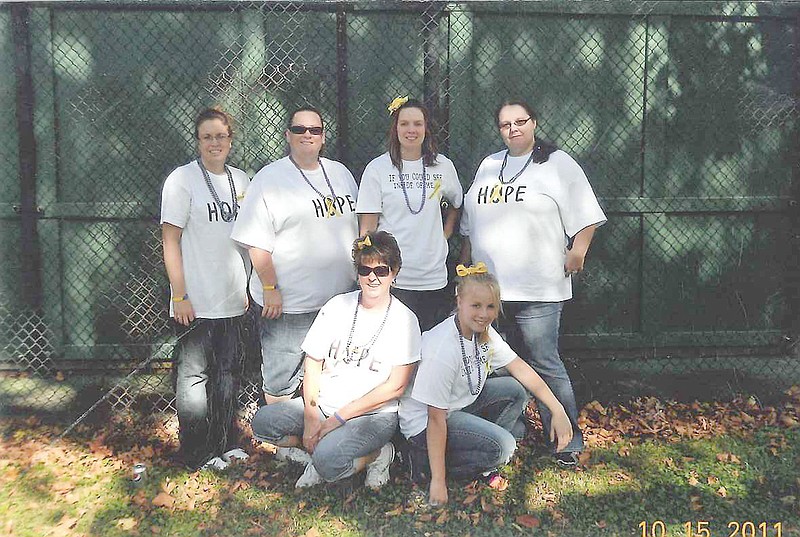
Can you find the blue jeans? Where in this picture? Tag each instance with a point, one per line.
(478, 436)
(208, 364)
(336, 453)
(531, 329)
(430, 307)
(281, 356)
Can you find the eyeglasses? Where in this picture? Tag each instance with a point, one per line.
(208, 138)
(301, 129)
(517, 122)
(381, 271)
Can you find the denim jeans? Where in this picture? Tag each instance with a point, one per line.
(209, 361)
(336, 453)
(531, 329)
(479, 436)
(430, 307)
(281, 356)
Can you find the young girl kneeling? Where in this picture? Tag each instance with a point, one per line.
(456, 413)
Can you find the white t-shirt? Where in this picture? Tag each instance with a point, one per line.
(311, 249)
(214, 267)
(420, 236)
(521, 233)
(441, 379)
(345, 377)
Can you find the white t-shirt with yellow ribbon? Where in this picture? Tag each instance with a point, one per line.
(442, 377)
(420, 236)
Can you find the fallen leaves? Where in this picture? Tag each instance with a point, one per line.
(528, 521)
(163, 499)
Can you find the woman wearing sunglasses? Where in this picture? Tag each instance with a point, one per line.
(531, 214)
(360, 354)
(298, 222)
(402, 192)
(208, 279)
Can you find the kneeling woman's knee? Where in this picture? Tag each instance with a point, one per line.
(506, 447)
(330, 466)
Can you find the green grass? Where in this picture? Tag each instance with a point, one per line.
(78, 487)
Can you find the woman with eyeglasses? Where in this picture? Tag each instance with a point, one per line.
(208, 280)
(361, 351)
(530, 214)
(402, 192)
(298, 222)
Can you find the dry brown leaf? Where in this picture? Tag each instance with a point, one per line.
(313, 532)
(722, 491)
(601, 524)
(712, 480)
(500, 522)
(443, 517)
(163, 499)
(394, 512)
(693, 481)
(528, 521)
(127, 523)
(470, 499)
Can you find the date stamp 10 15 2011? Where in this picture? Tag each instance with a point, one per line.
(702, 528)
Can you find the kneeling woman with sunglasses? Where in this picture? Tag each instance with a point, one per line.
(360, 354)
(458, 419)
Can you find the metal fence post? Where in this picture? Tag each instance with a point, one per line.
(342, 117)
(29, 212)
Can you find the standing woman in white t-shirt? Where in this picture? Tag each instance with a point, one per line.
(298, 223)
(531, 214)
(458, 419)
(208, 280)
(402, 192)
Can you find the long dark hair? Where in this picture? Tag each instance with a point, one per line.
(429, 150)
(542, 149)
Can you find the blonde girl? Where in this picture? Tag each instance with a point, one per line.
(458, 419)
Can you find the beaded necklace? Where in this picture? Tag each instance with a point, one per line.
(330, 201)
(362, 351)
(516, 175)
(475, 357)
(228, 215)
(424, 186)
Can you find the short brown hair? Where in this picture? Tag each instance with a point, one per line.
(382, 248)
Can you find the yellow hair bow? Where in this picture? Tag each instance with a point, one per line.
(480, 268)
(396, 103)
(363, 244)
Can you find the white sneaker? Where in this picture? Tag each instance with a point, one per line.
(215, 463)
(309, 478)
(235, 454)
(293, 454)
(378, 470)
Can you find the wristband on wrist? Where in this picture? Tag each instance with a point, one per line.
(340, 419)
(180, 298)
(270, 287)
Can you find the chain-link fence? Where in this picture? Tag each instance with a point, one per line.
(683, 115)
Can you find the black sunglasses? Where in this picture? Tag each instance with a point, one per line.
(381, 271)
(301, 129)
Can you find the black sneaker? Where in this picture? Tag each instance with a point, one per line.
(567, 459)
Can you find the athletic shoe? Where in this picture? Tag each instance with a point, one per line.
(235, 454)
(293, 454)
(309, 478)
(378, 470)
(567, 459)
(214, 463)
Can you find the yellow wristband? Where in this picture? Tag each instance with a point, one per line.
(270, 287)
(180, 298)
